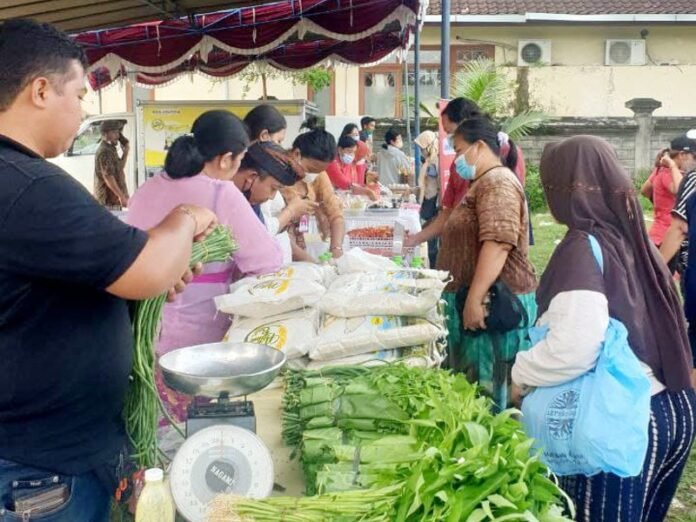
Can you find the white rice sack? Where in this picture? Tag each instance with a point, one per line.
(266, 298)
(416, 357)
(402, 292)
(357, 260)
(293, 333)
(322, 274)
(345, 337)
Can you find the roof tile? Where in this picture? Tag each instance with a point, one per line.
(572, 7)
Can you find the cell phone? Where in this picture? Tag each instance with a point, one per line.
(122, 139)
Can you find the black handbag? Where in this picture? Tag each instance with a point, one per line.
(505, 310)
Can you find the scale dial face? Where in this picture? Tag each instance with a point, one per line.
(218, 460)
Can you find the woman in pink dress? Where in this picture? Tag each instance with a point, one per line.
(198, 170)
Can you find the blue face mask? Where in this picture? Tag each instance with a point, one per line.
(464, 169)
(347, 159)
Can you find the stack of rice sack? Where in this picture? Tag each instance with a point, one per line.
(384, 315)
(364, 311)
(278, 309)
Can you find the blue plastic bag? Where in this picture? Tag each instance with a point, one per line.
(599, 421)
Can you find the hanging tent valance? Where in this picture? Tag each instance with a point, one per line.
(291, 35)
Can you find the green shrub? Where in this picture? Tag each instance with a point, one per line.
(638, 181)
(535, 191)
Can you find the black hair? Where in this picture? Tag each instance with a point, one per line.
(390, 136)
(270, 159)
(366, 120)
(213, 133)
(316, 144)
(345, 142)
(479, 129)
(461, 109)
(348, 129)
(311, 124)
(512, 157)
(264, 117)
(29, 50)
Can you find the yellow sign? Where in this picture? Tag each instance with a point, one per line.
(165, 123)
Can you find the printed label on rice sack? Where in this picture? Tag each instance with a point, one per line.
(310, 271)
(293, 333)
(268, 298)
(270, 287)
(383, 293)
(345, 337)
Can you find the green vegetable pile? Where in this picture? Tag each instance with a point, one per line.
(143, 403)
(414, 444)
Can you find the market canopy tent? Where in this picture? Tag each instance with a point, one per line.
(81, 15)
(290, 35)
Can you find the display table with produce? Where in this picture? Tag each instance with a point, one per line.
(395, 443)
(362, 426)
(358, 219)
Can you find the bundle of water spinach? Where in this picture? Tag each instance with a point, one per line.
(437, 453)
(143, 404)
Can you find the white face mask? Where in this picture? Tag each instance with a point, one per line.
(309, 178)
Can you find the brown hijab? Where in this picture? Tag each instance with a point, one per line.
(588, 190)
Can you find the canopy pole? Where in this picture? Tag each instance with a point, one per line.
(445, 51)
(416, 96)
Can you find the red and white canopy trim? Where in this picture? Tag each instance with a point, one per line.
(290, 35)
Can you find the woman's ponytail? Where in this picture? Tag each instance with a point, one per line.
(184, 159)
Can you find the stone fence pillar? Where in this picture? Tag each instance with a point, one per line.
(643, 109)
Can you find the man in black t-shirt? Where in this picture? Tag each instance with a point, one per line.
(682, 155)
(67, 267)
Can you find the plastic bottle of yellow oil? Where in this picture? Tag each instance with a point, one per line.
(156, 503)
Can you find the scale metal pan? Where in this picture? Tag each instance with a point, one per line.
(211, 370)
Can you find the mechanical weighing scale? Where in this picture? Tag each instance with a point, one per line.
(222, 453)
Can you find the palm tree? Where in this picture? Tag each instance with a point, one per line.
(483, 83)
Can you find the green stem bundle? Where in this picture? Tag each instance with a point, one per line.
(143, 404)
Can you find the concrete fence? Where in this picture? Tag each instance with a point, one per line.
(637, 139)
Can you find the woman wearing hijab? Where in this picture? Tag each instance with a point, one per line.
(588, 191)
(429, 181)
(486, 241)
(198, 170)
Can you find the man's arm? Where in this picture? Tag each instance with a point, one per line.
(676, 233)
(112, 185)
(166, 255)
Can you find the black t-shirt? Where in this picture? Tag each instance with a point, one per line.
(687, 188)
(65, 343)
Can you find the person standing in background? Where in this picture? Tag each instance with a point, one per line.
(429, 182)
(110, 186)
(675, 243)
(367, 126)
(661, 188)
(393, 166)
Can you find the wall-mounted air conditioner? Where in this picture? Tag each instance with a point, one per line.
(533, 52)
(625, 52)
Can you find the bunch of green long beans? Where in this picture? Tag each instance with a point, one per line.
(364, 506)
(143, 404)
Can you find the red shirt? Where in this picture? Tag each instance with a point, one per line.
(343, 176)
(663, 202)
(457, 187)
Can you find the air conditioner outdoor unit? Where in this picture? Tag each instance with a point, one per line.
(533, 52)
(625, 52)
